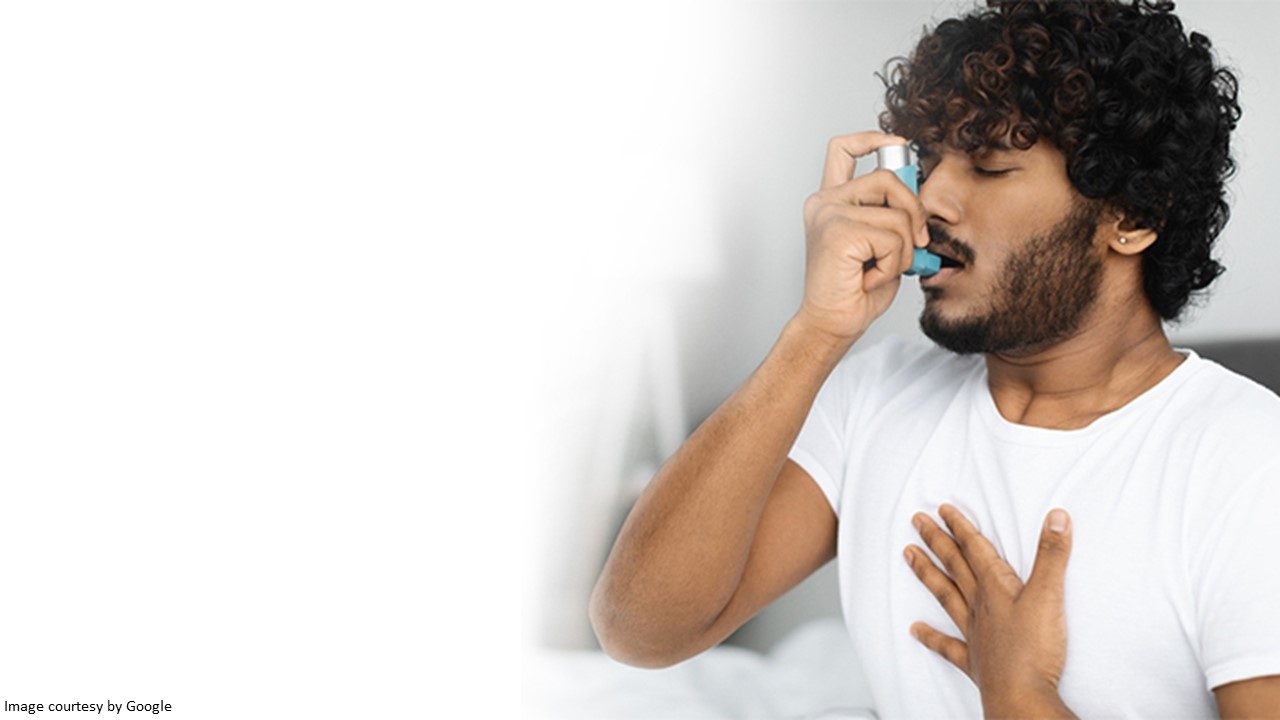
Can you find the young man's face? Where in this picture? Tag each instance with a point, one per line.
(1031, 271)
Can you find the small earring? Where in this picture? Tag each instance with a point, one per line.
(1124, 241)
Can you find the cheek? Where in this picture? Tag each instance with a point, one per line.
(1004, 219)
(1001, 238)
(990, 265)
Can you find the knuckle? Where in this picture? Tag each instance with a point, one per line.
(903, 218)
(950, 562)
(992, 566)
(921, 569)
(826, 212)
(812, 203)
(1050, 544)
(824, 224)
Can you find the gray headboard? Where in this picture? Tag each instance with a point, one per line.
(1257, 359)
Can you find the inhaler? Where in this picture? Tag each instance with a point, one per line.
(898, 159)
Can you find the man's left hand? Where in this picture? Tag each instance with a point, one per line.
(1015, 633)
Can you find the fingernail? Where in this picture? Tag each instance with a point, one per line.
(1058, 521)
(917, 523)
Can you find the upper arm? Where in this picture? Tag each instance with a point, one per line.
(1253, 698)
(796, 536)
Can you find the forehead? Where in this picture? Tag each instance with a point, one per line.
(1042, 152)
(963, 136)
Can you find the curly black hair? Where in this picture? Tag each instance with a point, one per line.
(1141, 110)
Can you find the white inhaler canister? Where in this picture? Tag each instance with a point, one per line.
(898, 159)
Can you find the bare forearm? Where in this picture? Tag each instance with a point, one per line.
(681, 553)
(1019, 706)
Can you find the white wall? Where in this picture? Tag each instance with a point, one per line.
(1239, 303)
(695, 142)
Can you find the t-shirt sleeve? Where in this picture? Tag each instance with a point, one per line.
(857, 386)
(1236, 575)
(820, 448)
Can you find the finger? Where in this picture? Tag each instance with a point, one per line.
(1050, 569)
(887, 262)
(840, 236)
(881, 188)
(955, 651)
(891, 253)
(943, 588)
(981, 554)
(843, 152)
(946, 550)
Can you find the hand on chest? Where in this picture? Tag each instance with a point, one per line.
(1125, 599)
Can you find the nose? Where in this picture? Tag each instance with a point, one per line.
(941, 191)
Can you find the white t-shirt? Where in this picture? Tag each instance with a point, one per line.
(1173, 586)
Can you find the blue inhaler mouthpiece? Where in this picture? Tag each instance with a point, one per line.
(898, 159)
(924, 264)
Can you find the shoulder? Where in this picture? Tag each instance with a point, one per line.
(907, 375)
(1224, 439)
(895, 363)
(1226, 407)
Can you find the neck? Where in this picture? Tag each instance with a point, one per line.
(1118, 356)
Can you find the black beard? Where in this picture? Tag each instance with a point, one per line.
(1045, 291)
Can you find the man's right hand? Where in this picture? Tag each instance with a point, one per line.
(848, 223)
(729, 523)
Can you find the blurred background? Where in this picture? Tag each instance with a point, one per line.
(682, 141)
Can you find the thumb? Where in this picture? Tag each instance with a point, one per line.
(1053, 553)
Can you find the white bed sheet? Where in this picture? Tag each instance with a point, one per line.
(811, 674)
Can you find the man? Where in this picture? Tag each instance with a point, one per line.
(1070, 515)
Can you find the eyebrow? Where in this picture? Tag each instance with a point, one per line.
(986, 152)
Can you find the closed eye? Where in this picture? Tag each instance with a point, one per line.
(984, 172)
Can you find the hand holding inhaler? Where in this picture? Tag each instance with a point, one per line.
(898, 159)
(860, 235)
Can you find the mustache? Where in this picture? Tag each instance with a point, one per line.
(939, 238)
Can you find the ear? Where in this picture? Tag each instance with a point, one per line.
(1125, 237)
